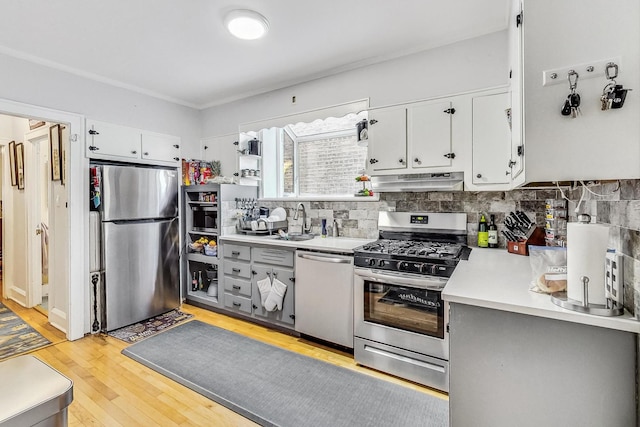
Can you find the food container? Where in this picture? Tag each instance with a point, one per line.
(210, 250)
(212, 274)
(196, 247)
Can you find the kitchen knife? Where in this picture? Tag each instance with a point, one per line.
(519, 224)
(523, 216)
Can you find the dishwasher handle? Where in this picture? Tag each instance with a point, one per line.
(325, 258)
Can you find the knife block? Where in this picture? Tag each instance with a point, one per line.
(535, 236)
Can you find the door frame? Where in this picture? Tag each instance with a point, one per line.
(73, 317)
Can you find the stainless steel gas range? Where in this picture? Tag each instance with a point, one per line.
(400, 319)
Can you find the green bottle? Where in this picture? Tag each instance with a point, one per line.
(483, 233)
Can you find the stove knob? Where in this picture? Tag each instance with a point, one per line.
(424, 268)
(372, 262)
(381, 263)
(434, 269)
(403, 265)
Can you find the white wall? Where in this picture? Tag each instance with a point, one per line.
(598, 144)
(472, 64)
(46, 87)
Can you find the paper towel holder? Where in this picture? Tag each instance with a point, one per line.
(610, 309)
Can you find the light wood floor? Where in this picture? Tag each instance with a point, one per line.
(111, 389)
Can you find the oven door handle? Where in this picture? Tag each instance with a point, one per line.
(435, 284)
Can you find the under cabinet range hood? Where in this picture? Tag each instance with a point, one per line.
(449, 181)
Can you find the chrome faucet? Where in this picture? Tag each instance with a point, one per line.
(304, 217)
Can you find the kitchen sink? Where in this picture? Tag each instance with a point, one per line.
(297, 236)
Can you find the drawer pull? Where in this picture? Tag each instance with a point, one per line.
(235, 270)
(235, 253)
(237, 287)
(237, 304)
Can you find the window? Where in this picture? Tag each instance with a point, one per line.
(313, 159)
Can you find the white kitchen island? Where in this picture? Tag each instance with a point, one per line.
(516, 359)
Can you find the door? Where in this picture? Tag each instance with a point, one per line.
(37, 192)
(130, 192)
(387, 139)
(141, 260)
(285, 275)
(429, 135)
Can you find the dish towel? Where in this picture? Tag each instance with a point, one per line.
(264, 286)
(274, 300)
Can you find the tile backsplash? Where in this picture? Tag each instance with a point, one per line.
(616, 204)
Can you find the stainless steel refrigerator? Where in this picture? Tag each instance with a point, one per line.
(140, 244)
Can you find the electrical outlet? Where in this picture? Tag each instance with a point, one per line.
(614, 278)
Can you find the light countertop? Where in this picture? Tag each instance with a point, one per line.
(343, 245)
(496, 279)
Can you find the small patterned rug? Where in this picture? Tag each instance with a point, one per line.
(16, 336)
(139, 331)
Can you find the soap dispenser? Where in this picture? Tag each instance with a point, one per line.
(335, 228)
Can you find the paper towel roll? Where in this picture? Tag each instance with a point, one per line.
(586, 252)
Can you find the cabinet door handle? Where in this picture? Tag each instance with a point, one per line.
(93, 132)
(401, 161)
(176, 158)
(292, 316)
(255, 272)
(479, 175)
(373, 121)
(507, 173)
(417, 160)
(235, 253)
(255, 307)
(236, 287)
(146, 153)
(235, 270)
(450, 155)
(237, 304)
(134, 152)
(372, 161)
(93, 148)
(176, 146)
(450, 111)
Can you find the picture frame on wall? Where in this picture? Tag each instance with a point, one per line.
(35, 123)
(12, 163)
(54, 143)
(20, 165)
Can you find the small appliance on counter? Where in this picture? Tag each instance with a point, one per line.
(594, 274)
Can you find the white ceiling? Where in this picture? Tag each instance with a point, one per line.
(178, 50)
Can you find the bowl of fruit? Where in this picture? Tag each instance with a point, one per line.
(364, 179)
(198, 245)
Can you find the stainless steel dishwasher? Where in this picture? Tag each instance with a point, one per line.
(324, 296)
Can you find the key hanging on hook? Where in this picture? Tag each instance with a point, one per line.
(571, 106)
(613, 94)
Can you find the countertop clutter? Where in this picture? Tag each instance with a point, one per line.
(343, 245)
(496, 279)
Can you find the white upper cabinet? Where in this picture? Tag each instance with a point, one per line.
(491, 162)
(105, 139)
(430, 135)
(410, 138)
(387, 148)
(114, 142)
(560, 36)
(156, 147)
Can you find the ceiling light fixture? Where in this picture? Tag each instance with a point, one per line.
(246, 24)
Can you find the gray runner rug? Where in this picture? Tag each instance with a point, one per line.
(276, 387)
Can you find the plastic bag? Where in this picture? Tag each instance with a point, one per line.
(549, 269)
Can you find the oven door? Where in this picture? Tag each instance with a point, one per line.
(401, 311)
